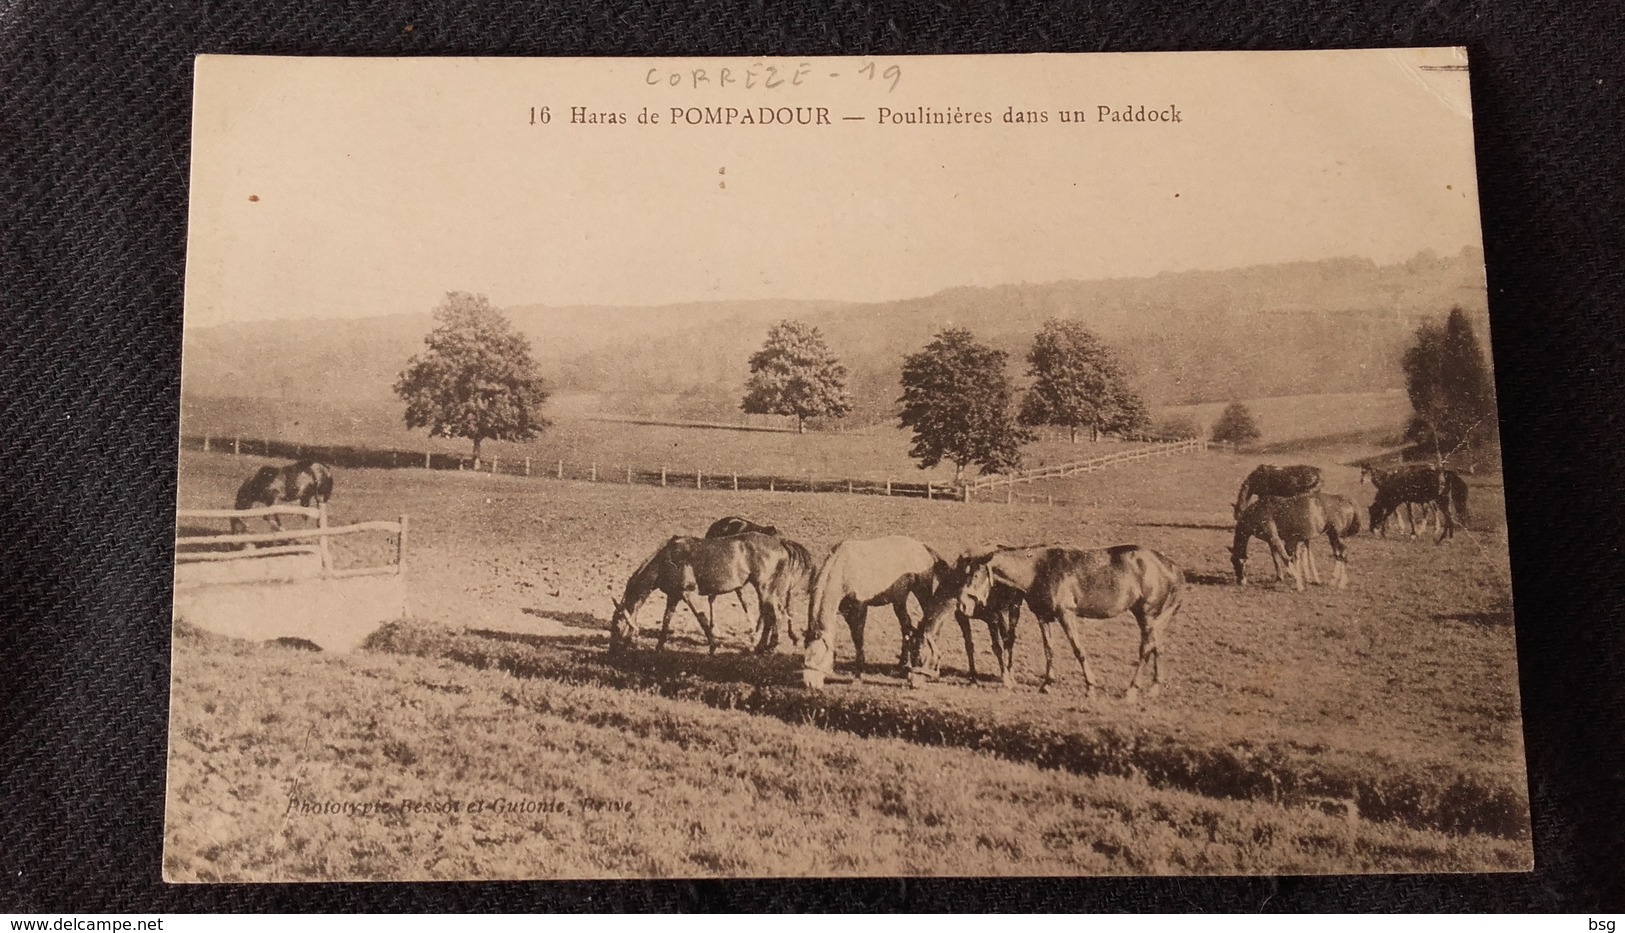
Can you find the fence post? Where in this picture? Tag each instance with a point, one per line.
(628, 476)
(964, 492)
(393, 460)
(770, 484)
(561, 469)
(205, 443)
(888, 487)
(849, 487)
(928, 490)
(736, 481)
(427, 462)
(697, 475)
(1009, 493)
(321, 543)
(1049, 500)
(527, 466)
(595, 471)
(236, 447)
(400, 548)
(493, 466)
(662, 477)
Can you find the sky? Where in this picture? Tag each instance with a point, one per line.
(347, 188)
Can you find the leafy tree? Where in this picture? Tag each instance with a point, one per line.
(1236, 426)
(1452, 396)
(476, 379)
(1176, 428)
(795, 374)
(957, 399)
(1079, 382)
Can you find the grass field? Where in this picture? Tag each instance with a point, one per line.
(1392, 704)
(877, 454)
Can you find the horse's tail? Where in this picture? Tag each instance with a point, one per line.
(794, 573)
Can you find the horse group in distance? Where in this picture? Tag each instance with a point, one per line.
(1284, 507)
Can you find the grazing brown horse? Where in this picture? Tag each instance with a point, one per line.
(1288, 523)
(1064, 585)
(1001, 612)
(734, 525)
(1343, 517)
(1445, 489)
(686, 568)
(305, 481)
(1267, 479)
(858, 574)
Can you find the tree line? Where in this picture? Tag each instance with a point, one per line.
(477, 379)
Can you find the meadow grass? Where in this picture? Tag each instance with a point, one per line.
(578, 780)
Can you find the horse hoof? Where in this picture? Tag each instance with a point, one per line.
(1043, 688)
(812, 680)
(1007, 683)
(1131, 695)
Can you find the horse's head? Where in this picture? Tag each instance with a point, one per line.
(978, 586)
(818, 662)
(622, 628)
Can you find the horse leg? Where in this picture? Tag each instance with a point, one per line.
(767, 612)
(1279, 554)
(672, 599)
(1077, 652)
(1148, 649)
(970, 646)
(1049, 656)
(1447, 523)
(905, 626)
(1007, 635)
(856, 616)
(1151, 645)
(1340, 559)
(689, 596)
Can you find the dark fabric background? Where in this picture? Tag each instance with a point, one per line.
(94, 107)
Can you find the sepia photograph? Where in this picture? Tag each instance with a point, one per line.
(1015, 465)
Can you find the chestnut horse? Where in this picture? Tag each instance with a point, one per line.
(686, 568)
(1267, 479)
(1287, 523)
(1063, 585)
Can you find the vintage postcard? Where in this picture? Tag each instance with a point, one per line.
(987, 465)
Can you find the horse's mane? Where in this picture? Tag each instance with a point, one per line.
(642, 579)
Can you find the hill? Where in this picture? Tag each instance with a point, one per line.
(1335, 325)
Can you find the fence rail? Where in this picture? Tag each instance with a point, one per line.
(1089, 465)
(596, 472)
(200, 548)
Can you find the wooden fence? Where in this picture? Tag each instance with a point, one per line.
(200, 548)
(692, 478)
(1090, 465)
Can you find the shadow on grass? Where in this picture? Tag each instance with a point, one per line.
(1200, 526)
(572, 619)
(1210, 578)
